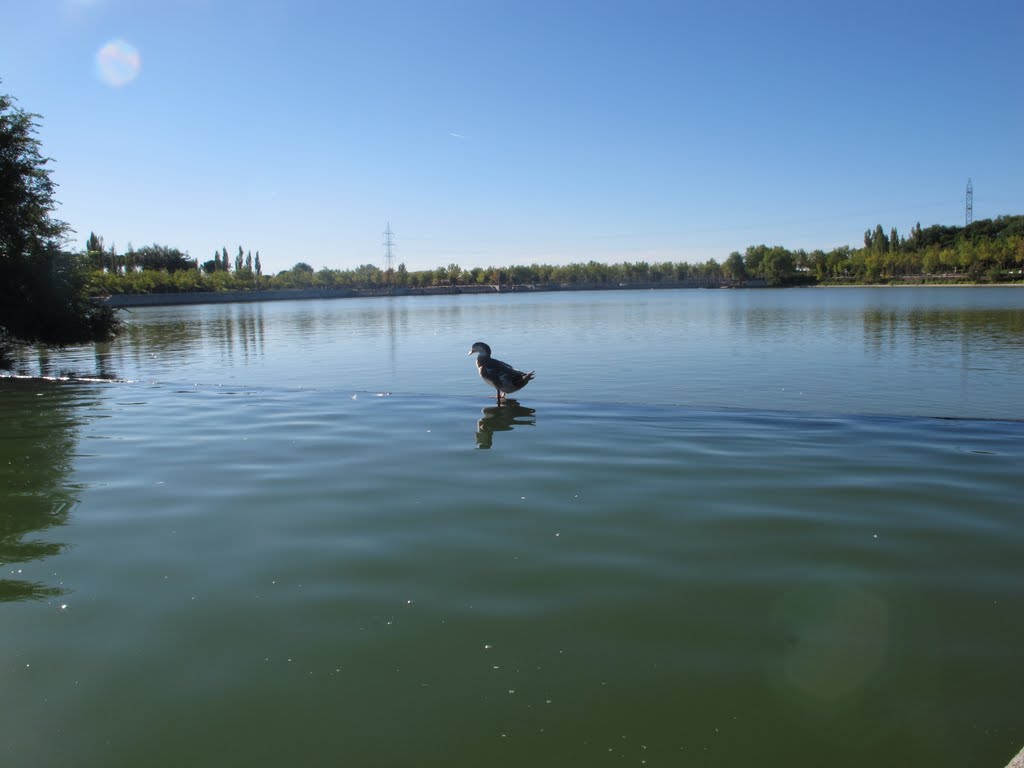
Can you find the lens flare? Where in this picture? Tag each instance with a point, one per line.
(118, 63)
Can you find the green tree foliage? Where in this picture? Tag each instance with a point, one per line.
(44, 291)
(987, 250)
(734, 268)
(164, 258)
(94, 244)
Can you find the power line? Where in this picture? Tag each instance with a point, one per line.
(389, 245)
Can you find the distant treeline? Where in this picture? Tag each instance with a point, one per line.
(990, 250)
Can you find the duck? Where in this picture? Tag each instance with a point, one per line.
(502, 376)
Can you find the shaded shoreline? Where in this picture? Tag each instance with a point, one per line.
(297, 294)
(124, 300)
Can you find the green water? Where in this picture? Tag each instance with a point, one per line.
(301, 534)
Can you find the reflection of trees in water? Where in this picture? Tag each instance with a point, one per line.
(239, 331)
(37, 447)
(502, 418)
(887, 329)
(232, 329)
(151, 342)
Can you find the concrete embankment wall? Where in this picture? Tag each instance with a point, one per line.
(167, 299)
(162, 299)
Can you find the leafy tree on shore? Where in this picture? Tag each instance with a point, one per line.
(163, 257)
(734, 268)
(44, 290)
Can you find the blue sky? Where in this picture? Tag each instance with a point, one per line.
(498, 132)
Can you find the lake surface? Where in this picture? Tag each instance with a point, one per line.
(720, 528)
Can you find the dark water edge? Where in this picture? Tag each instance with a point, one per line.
(172, 299)
(123, 300)
(259, 576)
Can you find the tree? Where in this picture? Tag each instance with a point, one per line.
(94, 250)
(753, 259)
(162, 257)
(879, 242)
(259, 267)
(733, 267)
(777, 266)
(94, 244)
(44, 291)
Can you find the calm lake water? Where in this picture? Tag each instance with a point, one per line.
(720, 528)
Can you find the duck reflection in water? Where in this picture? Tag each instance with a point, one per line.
(502, 418)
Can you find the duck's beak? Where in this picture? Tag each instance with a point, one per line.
(470, 352)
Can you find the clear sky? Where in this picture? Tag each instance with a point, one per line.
(493, 132)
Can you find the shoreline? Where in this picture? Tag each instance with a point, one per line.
(126, 300)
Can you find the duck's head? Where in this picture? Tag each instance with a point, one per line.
(480, 349)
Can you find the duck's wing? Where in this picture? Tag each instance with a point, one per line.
(508, 378)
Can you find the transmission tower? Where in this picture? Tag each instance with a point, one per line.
(970, 203)
(389, 245)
